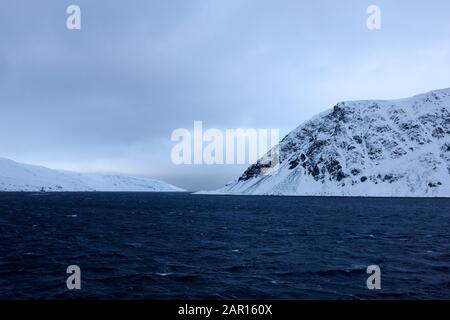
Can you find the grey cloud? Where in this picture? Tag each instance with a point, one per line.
(111, 94)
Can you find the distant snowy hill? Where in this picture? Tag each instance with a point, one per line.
(23, 177)
(363, 148)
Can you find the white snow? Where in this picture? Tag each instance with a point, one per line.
(397, 148)
(23, 177)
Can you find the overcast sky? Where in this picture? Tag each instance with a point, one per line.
(107, 97)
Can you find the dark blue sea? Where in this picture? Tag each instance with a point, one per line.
(183, 246)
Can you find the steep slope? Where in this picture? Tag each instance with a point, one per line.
(363, 148)
(23, 177)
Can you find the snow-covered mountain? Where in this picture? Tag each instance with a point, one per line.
(23, 177)
(397, 148)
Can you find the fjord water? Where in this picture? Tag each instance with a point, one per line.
(183, 246)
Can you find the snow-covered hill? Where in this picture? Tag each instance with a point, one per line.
(363, 148)
(23, 177)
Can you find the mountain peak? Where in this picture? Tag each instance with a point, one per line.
(16, 176)
(363, 148)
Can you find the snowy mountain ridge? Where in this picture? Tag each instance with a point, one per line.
(394, 148)
(16, 176)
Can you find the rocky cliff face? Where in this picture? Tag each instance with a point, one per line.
(363, 148)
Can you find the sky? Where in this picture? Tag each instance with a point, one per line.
(107, 98)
